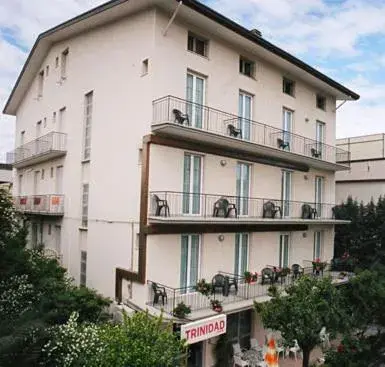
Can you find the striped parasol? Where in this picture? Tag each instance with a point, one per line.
(271, 356)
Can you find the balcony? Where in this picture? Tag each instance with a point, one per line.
(46, 147)
(186, 208)
(231, 300)
(183, 120)
(51, 205)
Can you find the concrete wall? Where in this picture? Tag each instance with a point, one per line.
(364, 147)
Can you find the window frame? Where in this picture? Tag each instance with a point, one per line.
(318, 98)
(288, 80)
(85, 203)
(282, 251)
(83, 268)
(64, 64)
(87, 125)
(194, 37)
(242, 62)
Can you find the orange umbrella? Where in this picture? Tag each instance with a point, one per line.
(271, 356)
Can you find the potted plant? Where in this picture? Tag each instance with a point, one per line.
(216, 305)
(181, 310)
(203, 287)
(318, 266)
(250, 277)
(284, 272)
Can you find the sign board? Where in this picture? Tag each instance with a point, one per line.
(197, 331)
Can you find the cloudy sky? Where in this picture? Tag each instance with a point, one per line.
(343, 38)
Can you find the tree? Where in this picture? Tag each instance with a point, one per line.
(141, 340)
(302, 310)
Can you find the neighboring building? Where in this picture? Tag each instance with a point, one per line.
(5, 175)
(366, 178)
(140, 108)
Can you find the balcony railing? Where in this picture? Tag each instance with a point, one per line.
(40, 204)
(52, 143)
(173, 204)
(246, 291)
(179, 111)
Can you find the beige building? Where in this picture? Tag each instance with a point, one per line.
(5, 175)
(159, 143)
(365, 180)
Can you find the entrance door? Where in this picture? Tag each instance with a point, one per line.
(59, 180)
(195, 93)
(195, 355)
(286, 193)
(287, 126)
(245, 113)
(243, 188)
(189, 268)
(192, 173)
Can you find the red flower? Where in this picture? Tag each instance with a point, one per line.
(340, 348)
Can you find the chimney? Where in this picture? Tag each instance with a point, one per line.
(256, 32)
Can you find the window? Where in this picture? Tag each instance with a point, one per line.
(195, 93)
(45, 122)
(287, 126)
(284, 240)
(286, 193)
(246, 67)
(87, 125)
(197, 44)
(320, 139)
(245, 111)
(54, 118)
(319, 189)
(192, 177)
(145, 67)
(64, 62)
(51, 172)
(85, 205)
(46, 70)
(40, 84)
(288, 87)
(57, 62)
(321, 102)
(241, 253)
(61, 125)
(189, 268)
(243, 187)
(83, 268)
(49, 229)
(38, 128)
(22, 137)
(239, 328)
(42, 174)
(317, 252)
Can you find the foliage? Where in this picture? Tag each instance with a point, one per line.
(203, 287)
(223, 352)
(250, 277)
(181, 310)
(216, 305)
(141, 340)
(302, 310)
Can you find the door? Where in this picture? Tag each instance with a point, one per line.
(245, 112)
(319, 188)
(189, 268)
(287, 126)
(61, 122)
(241, 253)
(284, 240)
(195, 93)
(59, 180)
(317, 253)
(195, 355)
(192, 177)
(320, 137)
(243, 188)
(286, 193)
(36, 183)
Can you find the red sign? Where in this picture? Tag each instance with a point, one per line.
(203, 329)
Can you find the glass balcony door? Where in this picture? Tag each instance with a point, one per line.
(320, 137)
(286, 193)
(241, 253)
(243, 188)
(195, 93)
(319, 189)
(192, 178)
(189, 268)
(245, 113)
(287, 126)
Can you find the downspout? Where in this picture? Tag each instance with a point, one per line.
(172, 18)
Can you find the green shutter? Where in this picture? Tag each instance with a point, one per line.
(286, 252)
(196, 184)
(183, 261)
(199, 99)
(236, 254)
(194, 261)
(245, 242)
(186, 183)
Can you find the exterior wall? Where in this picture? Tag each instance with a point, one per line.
(364, 147)
(360, 191)
(5, 175)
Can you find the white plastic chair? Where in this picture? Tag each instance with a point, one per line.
(237, 350)
(254, 344)
(324, 337)
(281, 349)
(296, 349)
(238, 361)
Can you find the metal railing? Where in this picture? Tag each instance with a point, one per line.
(40, 204)
(246, 291)
(193, 115)
(51, 142)
(183, 204)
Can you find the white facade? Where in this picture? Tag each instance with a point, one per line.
(117, 149)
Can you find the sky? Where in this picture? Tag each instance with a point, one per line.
(345, 39)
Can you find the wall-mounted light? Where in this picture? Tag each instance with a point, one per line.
(223, 162)
(306, 119)
(304, 234)
(221, 238)
(305, 177)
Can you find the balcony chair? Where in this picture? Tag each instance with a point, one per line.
(229, 281)
(297, 271)
(267, 275)
(219, 282)
(282, 144)
(308, 212)
(233, 131)
(158, 292)
(223, 208)
(295, 349)
(161, 204)
(270, 210)
(180, 117)
(315, 153)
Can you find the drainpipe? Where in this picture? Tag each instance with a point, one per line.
(172, 18)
